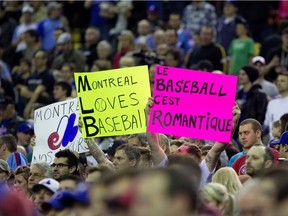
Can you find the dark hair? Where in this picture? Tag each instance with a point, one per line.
(145, 154)
(33, 33)
(73, 178)
(24, 171)
(132, 152)
(142, 137)
(26, 61)
(72, 159)
(10, 142)
(268, 154)
(175, 53)
(255, 124)
(284, 122)
(65, 86)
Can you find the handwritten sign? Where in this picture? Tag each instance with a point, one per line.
(56, 128)
(193, 104)
(113, 102)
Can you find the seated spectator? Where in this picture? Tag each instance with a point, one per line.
(38, 172)
(69, 182)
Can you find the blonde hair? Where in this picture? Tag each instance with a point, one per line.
(218, 193)
(229, 178)
(130, 36)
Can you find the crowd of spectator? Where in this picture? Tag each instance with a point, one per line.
(42, 44)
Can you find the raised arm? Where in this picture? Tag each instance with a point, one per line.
(95, 150)
(157, 153)
(213, 155)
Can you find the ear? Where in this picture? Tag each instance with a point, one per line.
(258, 134)
(268, 164)
(163, 147)
(3, 147)
(72, 169)
(133, 163)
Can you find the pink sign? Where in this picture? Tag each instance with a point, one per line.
(193, 104)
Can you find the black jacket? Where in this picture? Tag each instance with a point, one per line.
(255, 105)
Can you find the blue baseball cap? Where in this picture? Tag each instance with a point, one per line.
(81, 194)
(25, 127)
(59, 201)
(283, 140)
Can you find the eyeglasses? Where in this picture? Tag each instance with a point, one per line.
(60, 165)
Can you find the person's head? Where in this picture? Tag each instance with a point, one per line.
(282, 83)
(159, 37)
(175, 144)
(24, 66)
(4, 171)
(171, 37)
(143, 27)
(65, 42)
(44, 190)
(205, 65)
(25, 131)
(127, 61)
(112, 148)
(276, 129)
(39, 171)
(241, 27)
(8, 145)
(285, 38)
(21, 179)
(65, 163)
(206, 35)
(92, 36)
(69, 182)
(67, 72)
(174, 21)
(54, 10)
(257, 159)
(152, 13)
(31, 37)
(191, 150)
(165, 192)
(145, 159)
(250, 132)
(284, 123)
(40, 59)
(57, 32)
(187, 165)
(260, 64)
(172, 57)
(230, 8)
(126, 156)
(139, 140)
(103, 49)
(126, 40)
(7, 108)
(62, 90)
(161, 49)
(229, 178)
(248, 75)
(217, 196)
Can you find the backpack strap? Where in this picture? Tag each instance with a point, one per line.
(18, 159)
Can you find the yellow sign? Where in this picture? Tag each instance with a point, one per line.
(113, 102)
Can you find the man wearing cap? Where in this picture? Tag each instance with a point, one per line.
(277, 107)
(8, 152)
(25, 131)
(268, 88)
(26, 24)
(252, 100)
(44, 190)
(69, 54)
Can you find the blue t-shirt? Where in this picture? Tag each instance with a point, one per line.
(12, 162)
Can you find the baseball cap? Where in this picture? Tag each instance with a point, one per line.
(25, 127)
(259, 59)
(4, 166)
(153, 9)
(283, 140)
(113, 146)
(64, 38)
(27, 9)
(48, 183)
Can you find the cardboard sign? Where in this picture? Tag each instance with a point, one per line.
(113, 102)
(193, 104)
(56, 128)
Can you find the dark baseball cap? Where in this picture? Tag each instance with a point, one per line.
(25, 127)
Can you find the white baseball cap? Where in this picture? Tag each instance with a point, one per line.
(259, 59)
(48, 183)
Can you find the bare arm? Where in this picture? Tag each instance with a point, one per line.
(157, 153)
(213, 155)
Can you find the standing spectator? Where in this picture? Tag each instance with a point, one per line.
(8, 152)
(198, 14)
(226, 25)
(241, 49)
(269, 88)
(69, 54)
(277, 107)
(92, 36)
(252, 100)
(47, 26)
(208, 50)
(27, 24)
(125, 45)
